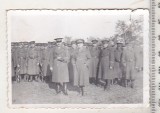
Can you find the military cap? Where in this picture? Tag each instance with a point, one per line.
(58, 40)
(53, 43)
(80, 41)
(25, 43)
(49, 43)
(21, 43)
(73, 42)
(105, 41)
(12, 44)
(120, 40)
(38, 44)
(94, 41)
(88, 44)
(32, 42)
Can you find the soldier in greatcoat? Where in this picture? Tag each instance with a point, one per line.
(82, 65)
(73, 74)
(43, 61)
(59, 67)
(13, 58)
(118, 62)
(106, 64)
(26, 76)
(39, 50)
(15, 62)
(94, 51)
(138, 49)
(128, 59)
(22, 61)
(33, 62)
(49, 58)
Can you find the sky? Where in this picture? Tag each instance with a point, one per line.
(44, 26)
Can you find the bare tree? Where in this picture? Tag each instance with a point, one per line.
(131, 30)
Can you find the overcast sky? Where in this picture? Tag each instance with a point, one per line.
(43, 26)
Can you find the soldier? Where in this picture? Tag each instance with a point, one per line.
(40, 55)
(13, 58)
(128, 59)
(72, 65)
(112, 59)
(60, 59)
(106, 64)
(43, 61)
(94, 51)
(118, 61)
(33, 64)
(83, 56)
(22, 62)
(26, 76)
(139, 57)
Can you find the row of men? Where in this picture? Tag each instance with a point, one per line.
(79, 63)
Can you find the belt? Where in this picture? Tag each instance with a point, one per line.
(105, 56)
(80, 59)
(131, 60)
(117, 61)
(94, 57)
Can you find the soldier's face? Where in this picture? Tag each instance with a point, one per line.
(59, 43)
(119, 45)
(32, 45)
(105, 45)
(74, 46)
(94, 44)
(80, 45)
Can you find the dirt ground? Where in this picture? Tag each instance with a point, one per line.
(44, 93)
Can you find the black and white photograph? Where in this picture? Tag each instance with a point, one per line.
(77, 56)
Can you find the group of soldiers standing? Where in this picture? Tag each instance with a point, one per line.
(79, 63)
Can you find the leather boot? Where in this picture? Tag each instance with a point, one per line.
(30, 78)
(65, 88)
(82, 91)
(105, 86)
(132, 84)
(58, 88)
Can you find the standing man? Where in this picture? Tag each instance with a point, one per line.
(118, 61)
(22, 62)
(139, 57)
(128, 60)
(26, 76)
(33, 64)
(83, 56)
(59, 68)
(94, 51)
(72, 65)
(13, 58)
(106, 65)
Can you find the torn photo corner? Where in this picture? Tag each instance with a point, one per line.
(78, 58)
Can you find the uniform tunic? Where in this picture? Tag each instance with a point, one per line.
(139, 56)
(13, 56)
(94, 51)
(128, 58)
(33, 67)
(73, 74)
(105, 63)
(22, 60)
(60, 72)
(40, 59)
(44, 61)
(82, 66)
(118, 63)
(49, 52)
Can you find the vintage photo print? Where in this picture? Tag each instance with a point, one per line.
(78, 58)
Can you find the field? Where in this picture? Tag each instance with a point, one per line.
(44, 93)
